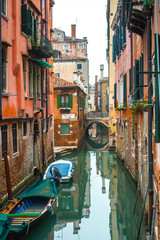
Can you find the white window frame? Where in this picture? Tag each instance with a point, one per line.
(66, 47)
(59, 35)
(81, 44)
(120, 90)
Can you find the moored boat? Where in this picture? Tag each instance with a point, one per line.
(29, 208)
(64, 166)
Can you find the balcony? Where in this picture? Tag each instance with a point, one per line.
(137, 18)
(42, 49)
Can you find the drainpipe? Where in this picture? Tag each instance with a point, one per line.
(46, 32)
(42, 99)
(150, 113)
(0, 67)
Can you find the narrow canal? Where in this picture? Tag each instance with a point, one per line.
(97, 204)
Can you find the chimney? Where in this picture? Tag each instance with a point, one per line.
(73, 30)
(101, 69)
(96, 78)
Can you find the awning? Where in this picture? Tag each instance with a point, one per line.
(41, 62)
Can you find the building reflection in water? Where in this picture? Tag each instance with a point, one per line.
(74, 202)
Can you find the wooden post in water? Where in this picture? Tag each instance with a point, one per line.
(8, 180)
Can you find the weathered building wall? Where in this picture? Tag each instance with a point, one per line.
(18, 104)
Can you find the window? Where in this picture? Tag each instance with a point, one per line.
(4, 140)
(38, 81)
(58, 35)
(57, 75)
(4, 69)
(43, 3)
(4, 6)
(80, 46)
(66, 47)
(30, 79)
(24, 76)
(50, 120)
(50, 12)
(64, 100)
(79, 66)
(24, 129)
(65, 128)
(120, 91)
(14, 137)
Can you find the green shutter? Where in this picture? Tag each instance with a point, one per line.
(157, 104)
(65, 128)
(136, 80)
(35, 31)
(125, 91)
(130, 81)
(28, 26)
(115, 95)
(70, 100)
(141, 76)
(23, 17)
(58, 101)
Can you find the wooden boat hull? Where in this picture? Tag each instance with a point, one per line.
(51, 210)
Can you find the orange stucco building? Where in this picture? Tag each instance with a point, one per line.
(136, 97)
(69, 113)
(26, 126)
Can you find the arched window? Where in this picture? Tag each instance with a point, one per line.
(4, 70)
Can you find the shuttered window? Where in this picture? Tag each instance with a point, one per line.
(65, 128)
(130, 81)
(136, 81)
(4, 140)
(64, 100)
(125, 91)
(141, 77)
(14, 137)
(115, 95)
(157, 94)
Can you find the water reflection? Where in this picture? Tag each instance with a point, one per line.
(98, 203)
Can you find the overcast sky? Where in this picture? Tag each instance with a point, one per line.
(90, 18)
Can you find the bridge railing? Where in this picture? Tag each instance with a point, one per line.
(96, 115)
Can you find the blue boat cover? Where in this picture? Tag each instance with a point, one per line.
(63, 168)
(4, 228)
(44, 188)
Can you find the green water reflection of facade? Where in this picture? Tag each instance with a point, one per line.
(75, 205)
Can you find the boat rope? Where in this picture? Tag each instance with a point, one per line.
(28, 228)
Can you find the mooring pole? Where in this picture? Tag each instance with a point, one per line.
(150, 113)
(8, 179)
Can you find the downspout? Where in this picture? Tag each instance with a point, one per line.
(46, 32)
(42, 98)
(0, 67)
(150, 114)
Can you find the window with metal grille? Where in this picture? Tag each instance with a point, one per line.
(24, 128)
(14, 137)
(65, 128)
(4, 140)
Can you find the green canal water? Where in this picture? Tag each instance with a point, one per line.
(97, 204)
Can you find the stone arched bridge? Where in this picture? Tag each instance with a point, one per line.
(97, 118)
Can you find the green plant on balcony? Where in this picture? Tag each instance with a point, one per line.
(121, 107)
